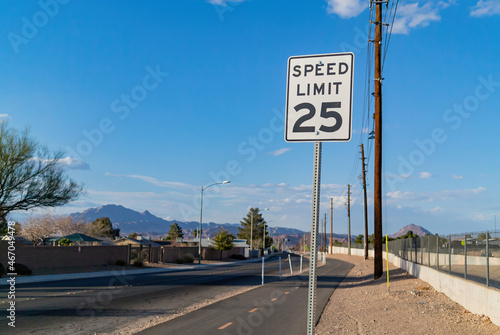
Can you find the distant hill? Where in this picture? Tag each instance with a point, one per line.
(419, 230)
(130, 221)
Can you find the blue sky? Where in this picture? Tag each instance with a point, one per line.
(150, 100)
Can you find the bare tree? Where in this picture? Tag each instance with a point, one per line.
(38, 229)
(30, 176)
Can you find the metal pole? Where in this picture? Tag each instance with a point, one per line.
(279, 258)
(311, 294)
(465, 256)
(290, 262)
(301, 256)
(199, 231)
(437, 252)
(428, 251)
(262, 270)
(487, 259)
(449, 254)
(251, 236)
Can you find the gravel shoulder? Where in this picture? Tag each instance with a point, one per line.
(361, 305)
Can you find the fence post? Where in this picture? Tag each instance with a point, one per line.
(428, 251)
(129, 250)
(437, 252)
(487, 259)
(422, 251)
(449, 253)
(417, 243)
(410, 258)
(465, 256)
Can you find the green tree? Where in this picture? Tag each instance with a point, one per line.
(257, 232)
(360, 239)
(30, 175)
(174, 232)
(104, 227)
(132, 236)
(64, 242)
(223, 241)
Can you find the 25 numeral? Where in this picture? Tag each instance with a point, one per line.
(325, 113)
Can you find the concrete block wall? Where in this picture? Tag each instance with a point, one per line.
(476, 298)
(49, 256)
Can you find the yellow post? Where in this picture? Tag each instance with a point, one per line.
(387, 257)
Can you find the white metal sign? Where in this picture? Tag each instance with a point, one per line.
(319, 98)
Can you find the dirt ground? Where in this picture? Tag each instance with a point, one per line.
(362, 305)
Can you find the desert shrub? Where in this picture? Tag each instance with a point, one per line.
(120, 262)
(22, 269)
(138, 263)
(240, 257)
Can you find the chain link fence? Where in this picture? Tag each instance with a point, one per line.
(472, 256)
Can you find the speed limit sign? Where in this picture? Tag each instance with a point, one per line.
(319, 98)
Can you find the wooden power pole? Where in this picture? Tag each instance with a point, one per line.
(331, 225)
(324, 223)
(349, 219)
(377, 217)
(366, 201)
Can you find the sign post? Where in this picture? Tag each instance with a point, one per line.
(318, 109)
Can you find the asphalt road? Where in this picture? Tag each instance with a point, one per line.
(86, 306)
(279, 307)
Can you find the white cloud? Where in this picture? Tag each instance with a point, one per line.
(485, 8)
(74, 163)
(410, 16)
(152, 180)
(457, 177)
(280, 151)
(346, 8)
(425, 175)
(68, 162)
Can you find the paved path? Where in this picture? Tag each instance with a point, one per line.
(276, 308)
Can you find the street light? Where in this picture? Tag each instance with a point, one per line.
(201, 213)
(251, 233)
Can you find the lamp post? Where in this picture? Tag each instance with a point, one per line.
(201, 214)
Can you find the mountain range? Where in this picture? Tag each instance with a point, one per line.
(130, 221)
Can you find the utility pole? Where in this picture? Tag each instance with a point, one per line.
(331, 225)
(377, 217)
(324, 222)
(321, 237)
(366, 201)
(349, 219)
